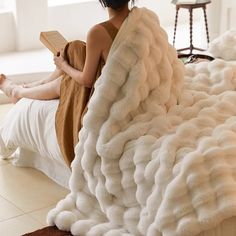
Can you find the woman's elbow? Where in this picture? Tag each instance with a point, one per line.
(82, 81)
(86, 83)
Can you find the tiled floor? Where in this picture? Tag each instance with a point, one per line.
(26, 195)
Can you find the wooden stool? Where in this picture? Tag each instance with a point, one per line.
(190, 7)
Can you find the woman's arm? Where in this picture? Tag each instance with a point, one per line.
(93, 54)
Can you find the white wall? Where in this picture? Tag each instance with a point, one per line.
(31, 18)
(1, 3)
(228, 15)
(214, 17)
(7, 26)
(74, 20)
(166, 13)
(21, 23)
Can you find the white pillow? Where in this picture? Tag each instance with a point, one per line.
(224, 46)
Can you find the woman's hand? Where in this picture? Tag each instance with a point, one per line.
(59, 60)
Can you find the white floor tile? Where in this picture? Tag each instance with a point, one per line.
(8, 210)
(18, 226)
(4, 162)
(29, 189)
(41, 214)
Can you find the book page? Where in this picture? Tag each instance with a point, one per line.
(53, 40)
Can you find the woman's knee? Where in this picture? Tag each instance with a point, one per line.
(58, 86)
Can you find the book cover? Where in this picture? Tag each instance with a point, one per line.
(53, 40)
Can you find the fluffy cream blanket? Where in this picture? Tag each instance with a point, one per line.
(224, 46)
(156, 154)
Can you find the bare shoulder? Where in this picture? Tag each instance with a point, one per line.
(97, 33)
(99, 41)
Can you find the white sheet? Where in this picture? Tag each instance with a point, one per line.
(30, 125)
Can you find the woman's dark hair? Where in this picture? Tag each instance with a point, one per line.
(115, 4)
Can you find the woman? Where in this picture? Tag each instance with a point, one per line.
(77, 68)
(97, 47)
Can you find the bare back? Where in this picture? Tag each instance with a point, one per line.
(110, 29)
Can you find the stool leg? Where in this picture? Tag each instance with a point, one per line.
(205, 16)
(191, 29)
(176, 20)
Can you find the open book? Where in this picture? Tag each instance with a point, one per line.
(53, 40)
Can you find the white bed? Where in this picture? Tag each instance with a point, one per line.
(29, 133)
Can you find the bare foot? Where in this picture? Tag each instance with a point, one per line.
(7, 87)
(2, 79)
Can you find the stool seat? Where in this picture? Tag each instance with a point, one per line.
(197, 2)
(190, 7)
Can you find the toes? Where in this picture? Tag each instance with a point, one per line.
(2, 77)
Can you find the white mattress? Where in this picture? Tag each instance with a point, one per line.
(29, 129)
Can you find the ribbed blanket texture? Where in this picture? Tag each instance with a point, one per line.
(157, 152)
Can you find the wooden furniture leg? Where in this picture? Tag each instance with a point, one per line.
(190, 8)
(205, 17)
(191, 29)
(176, 21)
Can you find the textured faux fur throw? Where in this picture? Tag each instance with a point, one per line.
(224, 46)
(145, 164)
